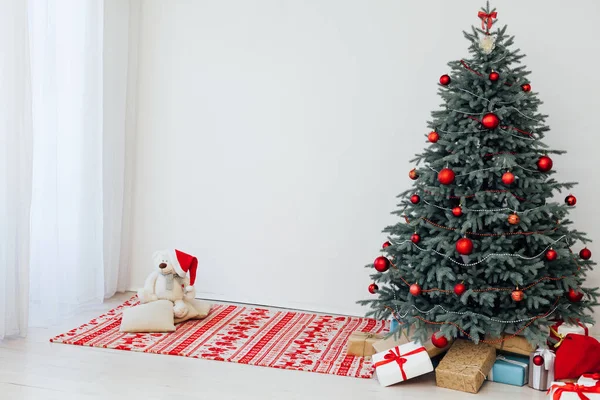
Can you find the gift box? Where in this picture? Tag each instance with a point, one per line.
(574, 391)
(511, 370)
(400, 338)
(589, 379)
(512, 344)
(401, 363)
(560, 330)
(541, 376)
(361, 344)
(465, 366)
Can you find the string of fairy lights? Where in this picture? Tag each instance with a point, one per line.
(464, 246)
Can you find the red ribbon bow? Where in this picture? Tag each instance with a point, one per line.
(394, 356)
(573, 388)
(487, 18)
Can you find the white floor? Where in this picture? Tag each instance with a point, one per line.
(33, 368)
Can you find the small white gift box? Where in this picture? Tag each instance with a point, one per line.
(589, 379)
(401, 363)
(587, 387)
(541, 376)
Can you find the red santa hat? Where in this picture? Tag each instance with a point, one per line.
(184, 263)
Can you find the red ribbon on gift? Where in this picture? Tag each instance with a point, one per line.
(595, 376)
(394, 356)
(487, 18)
(573, 388)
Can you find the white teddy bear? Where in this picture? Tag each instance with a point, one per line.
(170, 281)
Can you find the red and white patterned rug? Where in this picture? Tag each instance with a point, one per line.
(256, 336)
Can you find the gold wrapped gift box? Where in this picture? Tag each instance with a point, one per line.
(515, 344)
(361, 344)
(465, 366)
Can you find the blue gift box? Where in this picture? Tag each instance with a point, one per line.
(393, 325)
(510, 369)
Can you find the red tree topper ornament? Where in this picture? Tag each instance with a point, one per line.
(585, 254)
(526, 87)
(571, 200)
(381, 264)
(538, 360)
(490, 121)
(464, 246)
(457, 211)
(494, 76)
(433, 137)
(415, 199)
(373, 288)
(386, 244)
(415, 238)
(446, 176)
(487, 19)
(439, 342)
(415, 289)
(551, 255)
(544, 164)
(574, 296)
(413, 174)
(459, 289)
(508, 178)
(445, 79)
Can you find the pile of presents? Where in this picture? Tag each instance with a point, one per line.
(568, 368)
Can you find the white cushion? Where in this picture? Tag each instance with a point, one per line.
(156, 316)
(198, 309)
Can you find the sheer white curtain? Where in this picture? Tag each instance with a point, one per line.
(15, 167)
(76, 57)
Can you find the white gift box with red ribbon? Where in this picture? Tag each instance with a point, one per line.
(586, 388)
(401, 363)
(589, 379)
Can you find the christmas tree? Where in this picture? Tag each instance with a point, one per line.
(481, 246)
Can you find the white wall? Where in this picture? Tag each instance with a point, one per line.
(274, 135)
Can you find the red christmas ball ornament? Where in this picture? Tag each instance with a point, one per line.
(526, 87)
(433, 137)
(415, 289)
(574, 296)
(413, 174)
(446, 176)
(538, 360)
(551, 255)
(459, 289)
(571, 200)
(513, 219)
(445, 79)
(464, 246)
(415, 199)
(490, 121)
(373, 288)
(415, 238)
(517, 295)
(386, 244)
(544, 164)
(494, 76)
(585, 254)
(508, 178)
(457, 211)
(381, 264)
(439, 342)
